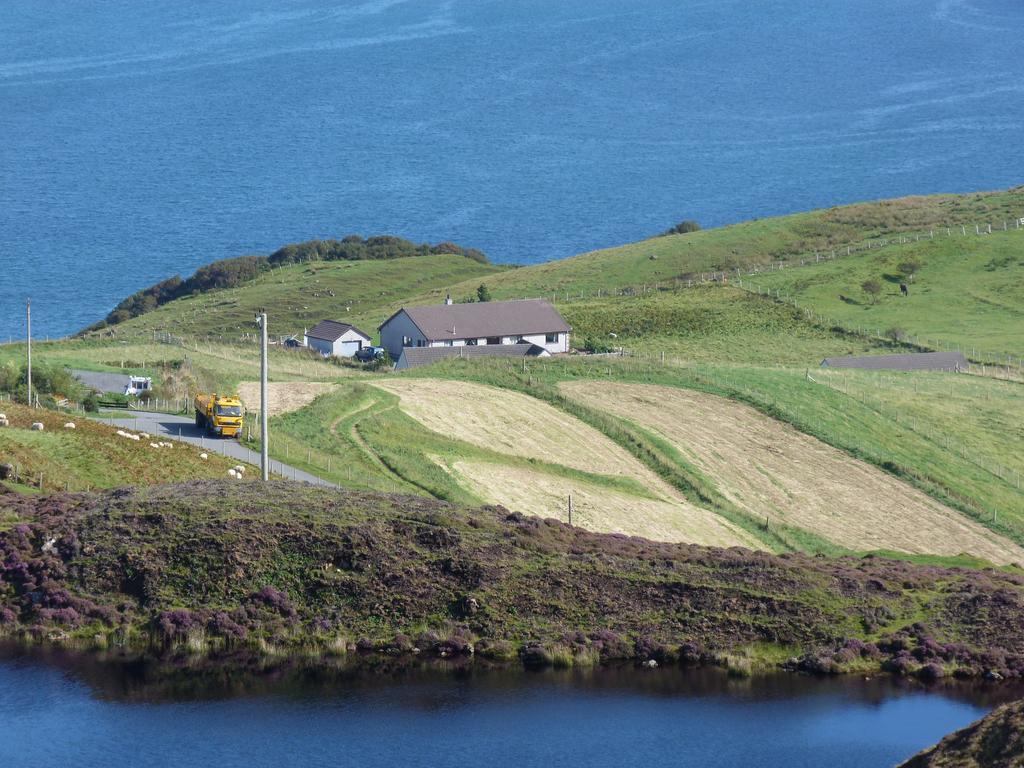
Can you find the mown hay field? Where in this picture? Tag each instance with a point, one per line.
(600, 509)
(284, 396)
(783, 476)
(521, 426)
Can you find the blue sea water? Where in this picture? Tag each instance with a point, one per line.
(140, 140)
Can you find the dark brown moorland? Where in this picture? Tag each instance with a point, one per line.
(996, 741)
(208, 566)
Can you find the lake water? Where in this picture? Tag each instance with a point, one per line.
(141, 140)
(132, 716)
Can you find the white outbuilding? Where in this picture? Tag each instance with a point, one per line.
(333, 338)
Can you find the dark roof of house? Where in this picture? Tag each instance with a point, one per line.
(915, 361)
(332, 330)
(417, 356)
(480, 320)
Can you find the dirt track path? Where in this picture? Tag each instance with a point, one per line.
(772, 470)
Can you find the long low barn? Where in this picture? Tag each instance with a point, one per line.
(915, 361)
(414, 357)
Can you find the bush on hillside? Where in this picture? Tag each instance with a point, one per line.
(872, 288)
(683, 227)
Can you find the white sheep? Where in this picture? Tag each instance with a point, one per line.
(121, 433)
(153, 445)
(4, 421)
(232, 473)
(37, 426)
(203, 456)
(134, 437)
(145, 435)
(69, 425)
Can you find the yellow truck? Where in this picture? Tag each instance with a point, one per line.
(219, 414)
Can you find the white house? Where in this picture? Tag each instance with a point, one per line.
(529, 321)
(330, 337)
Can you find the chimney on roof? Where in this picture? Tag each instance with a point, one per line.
(448, 300)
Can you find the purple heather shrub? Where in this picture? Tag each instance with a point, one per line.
(7, 616)
(400, 644)
(320, 624)
(845, 656)
(611, 645)
(931, 671)
(535, 655)
(691, 653)
(222, 624)
(364, 645)
(428, 640)
(277, 600)
(67, 616)
(456, 644)
(104, 613)
(900, 664)
(646, 648)
(176, 623)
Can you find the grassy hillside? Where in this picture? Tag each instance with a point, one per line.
(711, 323)
(968, 292)
(995, 741)
(93, 455)
(663, 260)
(299, 296)
(367, 292)
(281, 568)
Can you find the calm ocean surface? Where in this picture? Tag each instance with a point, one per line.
(140, 140)
(81, 715)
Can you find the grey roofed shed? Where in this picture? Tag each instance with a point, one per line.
(485, 319)
(914, 361)
(332, 330)
(413, 357)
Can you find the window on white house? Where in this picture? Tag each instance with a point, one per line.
(406, 341)
(494, 339)
(516, 339)
(448, 342)
(551, 338)
(471, 342)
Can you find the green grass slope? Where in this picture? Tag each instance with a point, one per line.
(663, 260)
(300, 295)
(93, 455)
(968, 293)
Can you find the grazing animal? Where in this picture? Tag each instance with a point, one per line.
(903, 289)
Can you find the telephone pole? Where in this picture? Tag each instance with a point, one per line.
(261, 321)
(28, 320)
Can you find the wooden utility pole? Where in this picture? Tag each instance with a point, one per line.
(28, 321)
(261, 320)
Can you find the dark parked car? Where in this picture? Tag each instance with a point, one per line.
(369, 354)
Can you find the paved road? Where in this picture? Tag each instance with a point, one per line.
(104, 382)
(184, 428)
